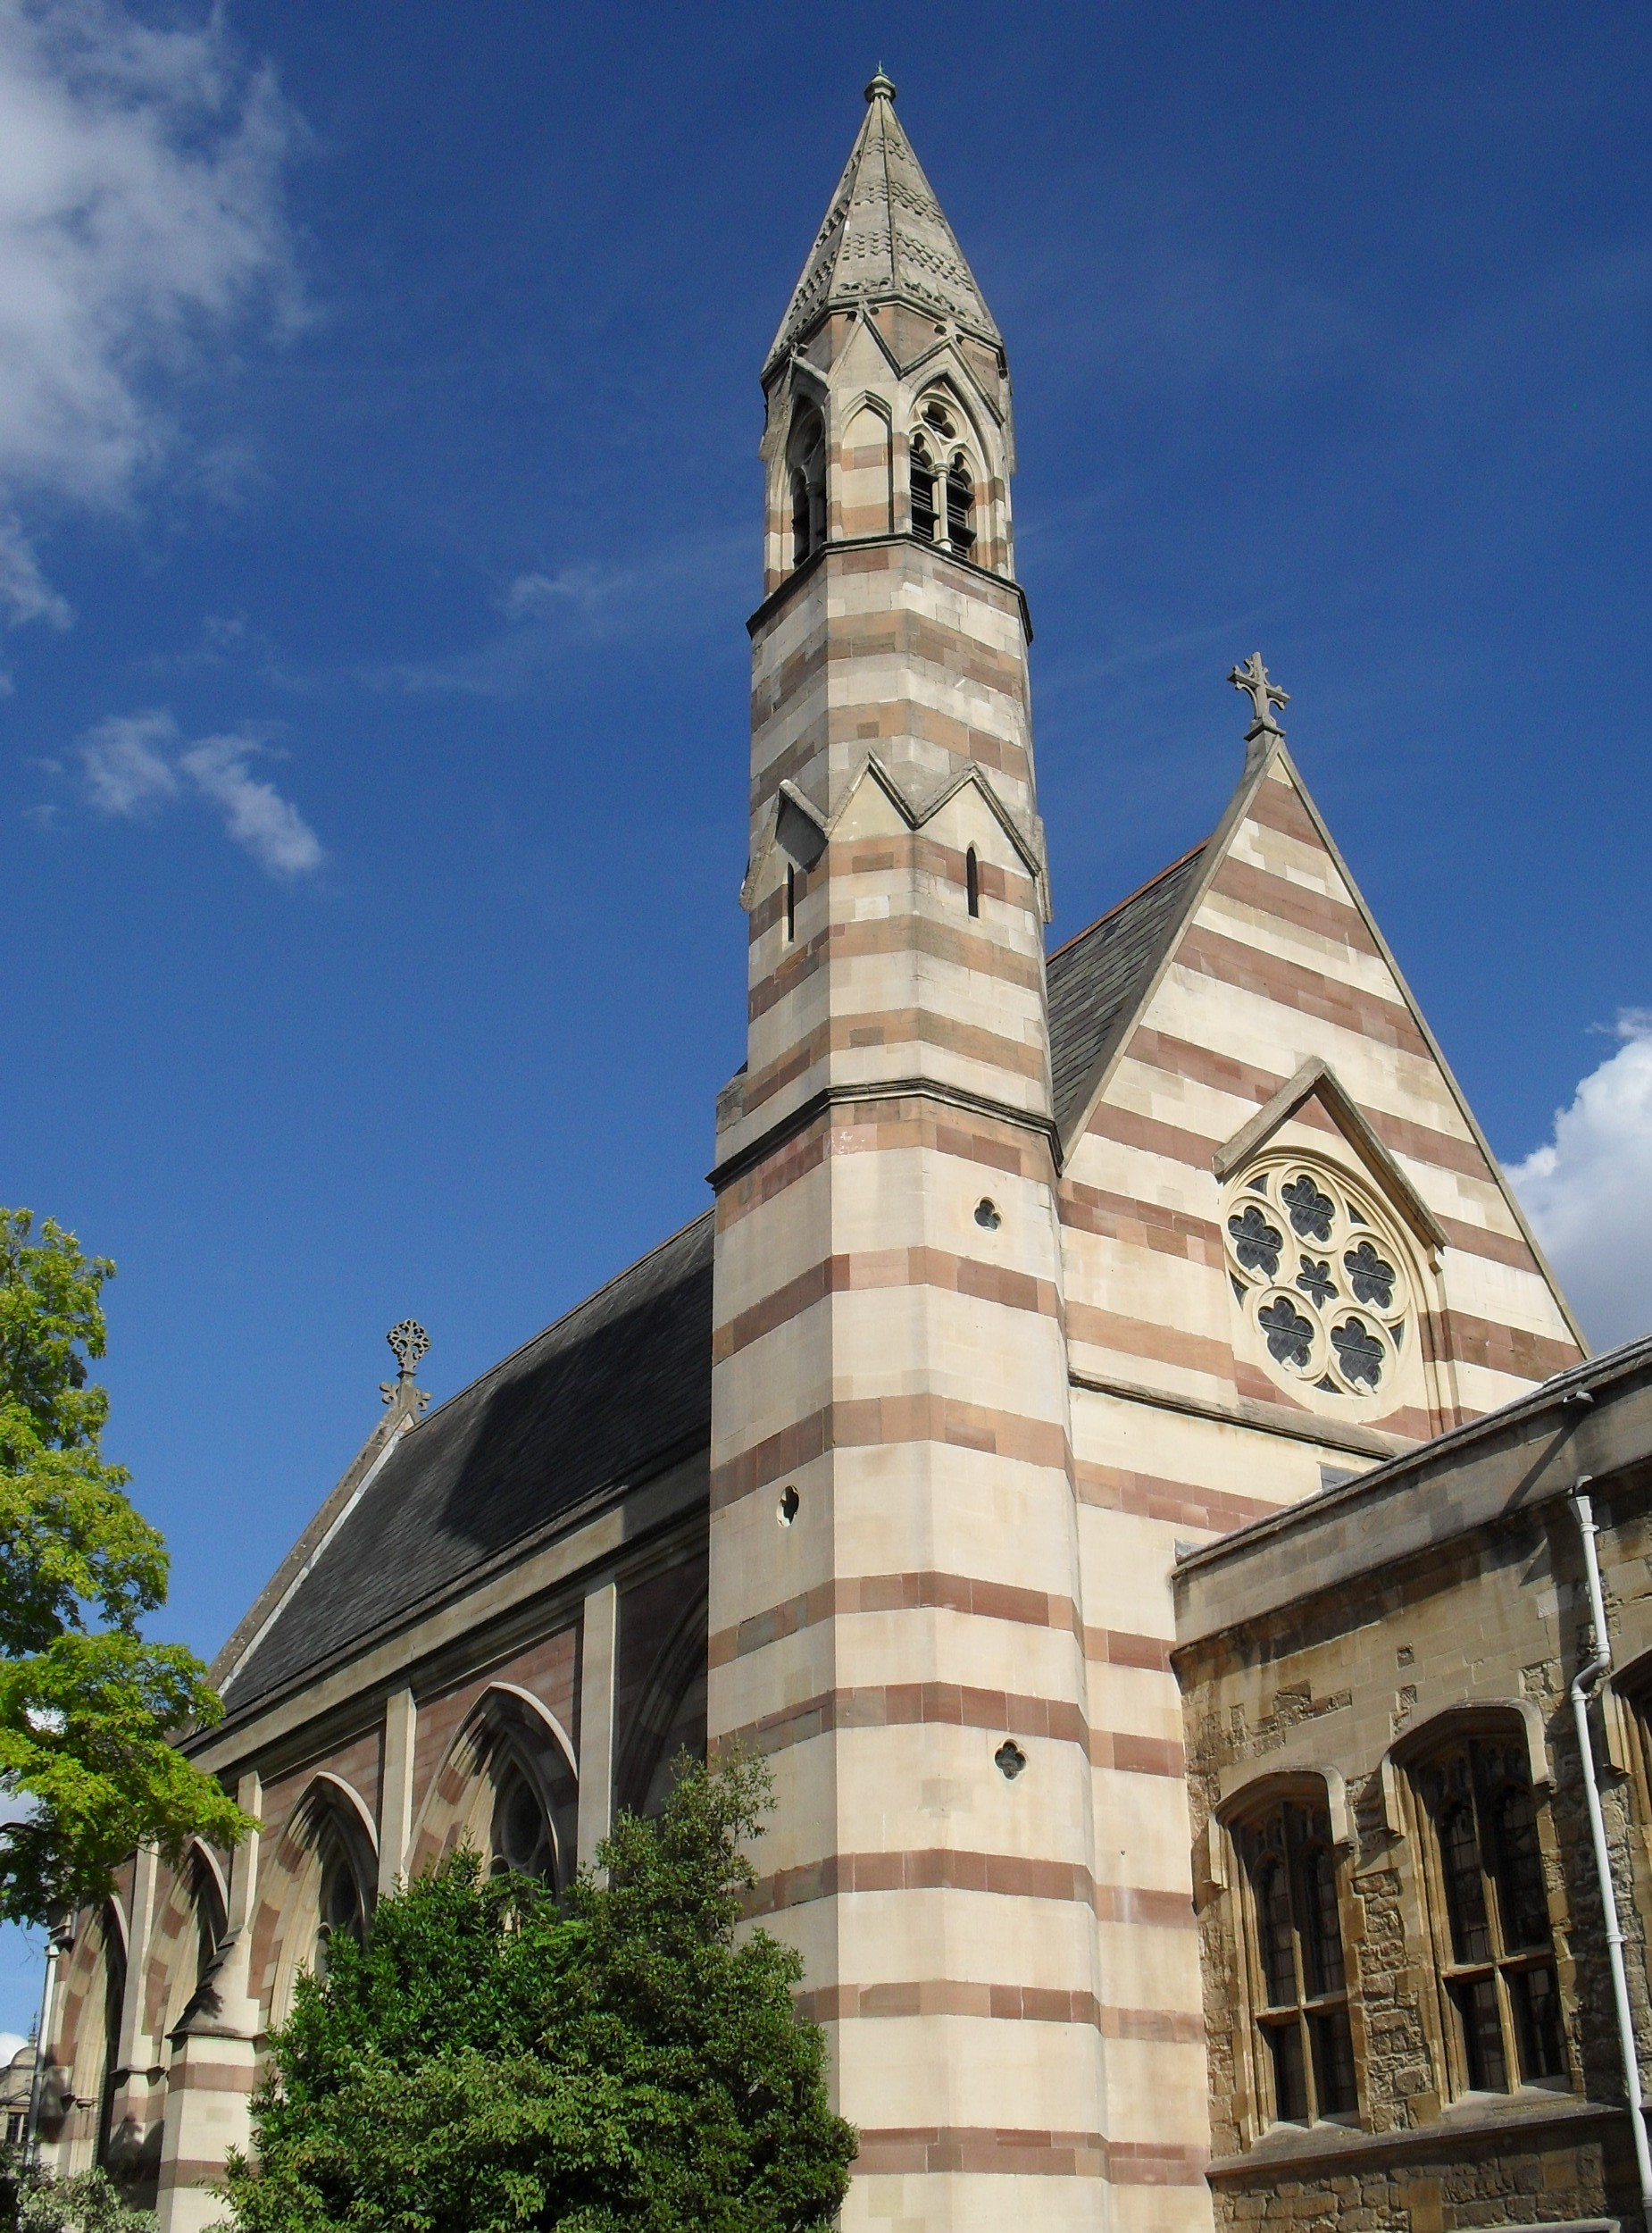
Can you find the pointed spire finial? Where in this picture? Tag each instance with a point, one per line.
(1264, 696)
(882, 88)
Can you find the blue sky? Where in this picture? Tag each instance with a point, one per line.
(379, 517)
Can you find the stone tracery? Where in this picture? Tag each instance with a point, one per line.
(1333, 1315)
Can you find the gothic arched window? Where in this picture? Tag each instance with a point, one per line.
(341, 1906)
(960, 507)
(922, 490)
(522, 1842)
(1301, 1979)
(806, 462)
(1494, 1946)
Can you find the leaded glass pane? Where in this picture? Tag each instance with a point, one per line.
(1466, 1893)
(1325, 1929)
(1333, 2062)
(1537, 2023)
(1291, 2085)
(1482, 2034)
(1279, 1967)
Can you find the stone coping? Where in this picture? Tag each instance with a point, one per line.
(1334, 2149)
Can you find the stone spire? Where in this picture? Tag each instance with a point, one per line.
(884, 239)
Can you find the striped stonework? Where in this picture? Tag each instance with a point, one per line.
(1269, 1032)
(894, 1575)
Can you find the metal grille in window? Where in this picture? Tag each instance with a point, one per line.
(1298, 1297)
(1302, 2019)
(1496, 1947)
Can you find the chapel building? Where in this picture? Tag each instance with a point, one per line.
(1024, 1274)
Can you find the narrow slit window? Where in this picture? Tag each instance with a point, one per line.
(791, 903)
(972, 881)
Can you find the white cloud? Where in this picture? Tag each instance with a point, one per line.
(1588, 1190)
(25, 593)
(134, 764)
(141, 214)
(127, 770)
(256, 815)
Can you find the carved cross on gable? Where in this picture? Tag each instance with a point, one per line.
(1264, 696)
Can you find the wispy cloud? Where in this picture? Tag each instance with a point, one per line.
(669, 592)
(256, 815)
(140, 215)
(135, 764)
(1588, 1191)
(127, 770)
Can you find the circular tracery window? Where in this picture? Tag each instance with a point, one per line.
(1319, 1275)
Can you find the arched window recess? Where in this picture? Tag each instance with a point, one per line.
(806, 474)
(1284, 1837)
(1475, 1781)
(941, 479)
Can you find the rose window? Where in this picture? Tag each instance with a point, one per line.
(1318, 1275)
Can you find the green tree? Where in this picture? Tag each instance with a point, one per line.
(496, 2058)
(88, 1707)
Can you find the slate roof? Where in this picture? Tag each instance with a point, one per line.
(608, 1394)
(884, 235)
(620, 1387)
(1094, 978)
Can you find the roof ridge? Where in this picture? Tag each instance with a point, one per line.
(551, 1326)
(1118, 905)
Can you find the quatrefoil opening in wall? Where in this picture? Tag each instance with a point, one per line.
(1322, 1282)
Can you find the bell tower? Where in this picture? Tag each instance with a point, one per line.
(894, 1543)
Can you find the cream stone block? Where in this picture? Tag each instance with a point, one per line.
(966, 1938)
(1140, 1831)
(911, 1340)
(1157, 2091)
(907, 1197)
(918, 2070)
(913, 1786)
(966, 2202)
(1135, 1701)
(1149, 1965)
(881, 1530)
(935, 1645)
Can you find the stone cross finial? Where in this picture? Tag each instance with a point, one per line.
(1264, 696)
(410, 1342)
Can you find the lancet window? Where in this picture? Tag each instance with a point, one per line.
(806, 467)
(924, 513)
(522, 1842)
(341, 1907)
(960, 507)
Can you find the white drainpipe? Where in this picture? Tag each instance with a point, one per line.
(1582, 1686)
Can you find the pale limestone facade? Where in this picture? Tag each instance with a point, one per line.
(1020, 1275)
